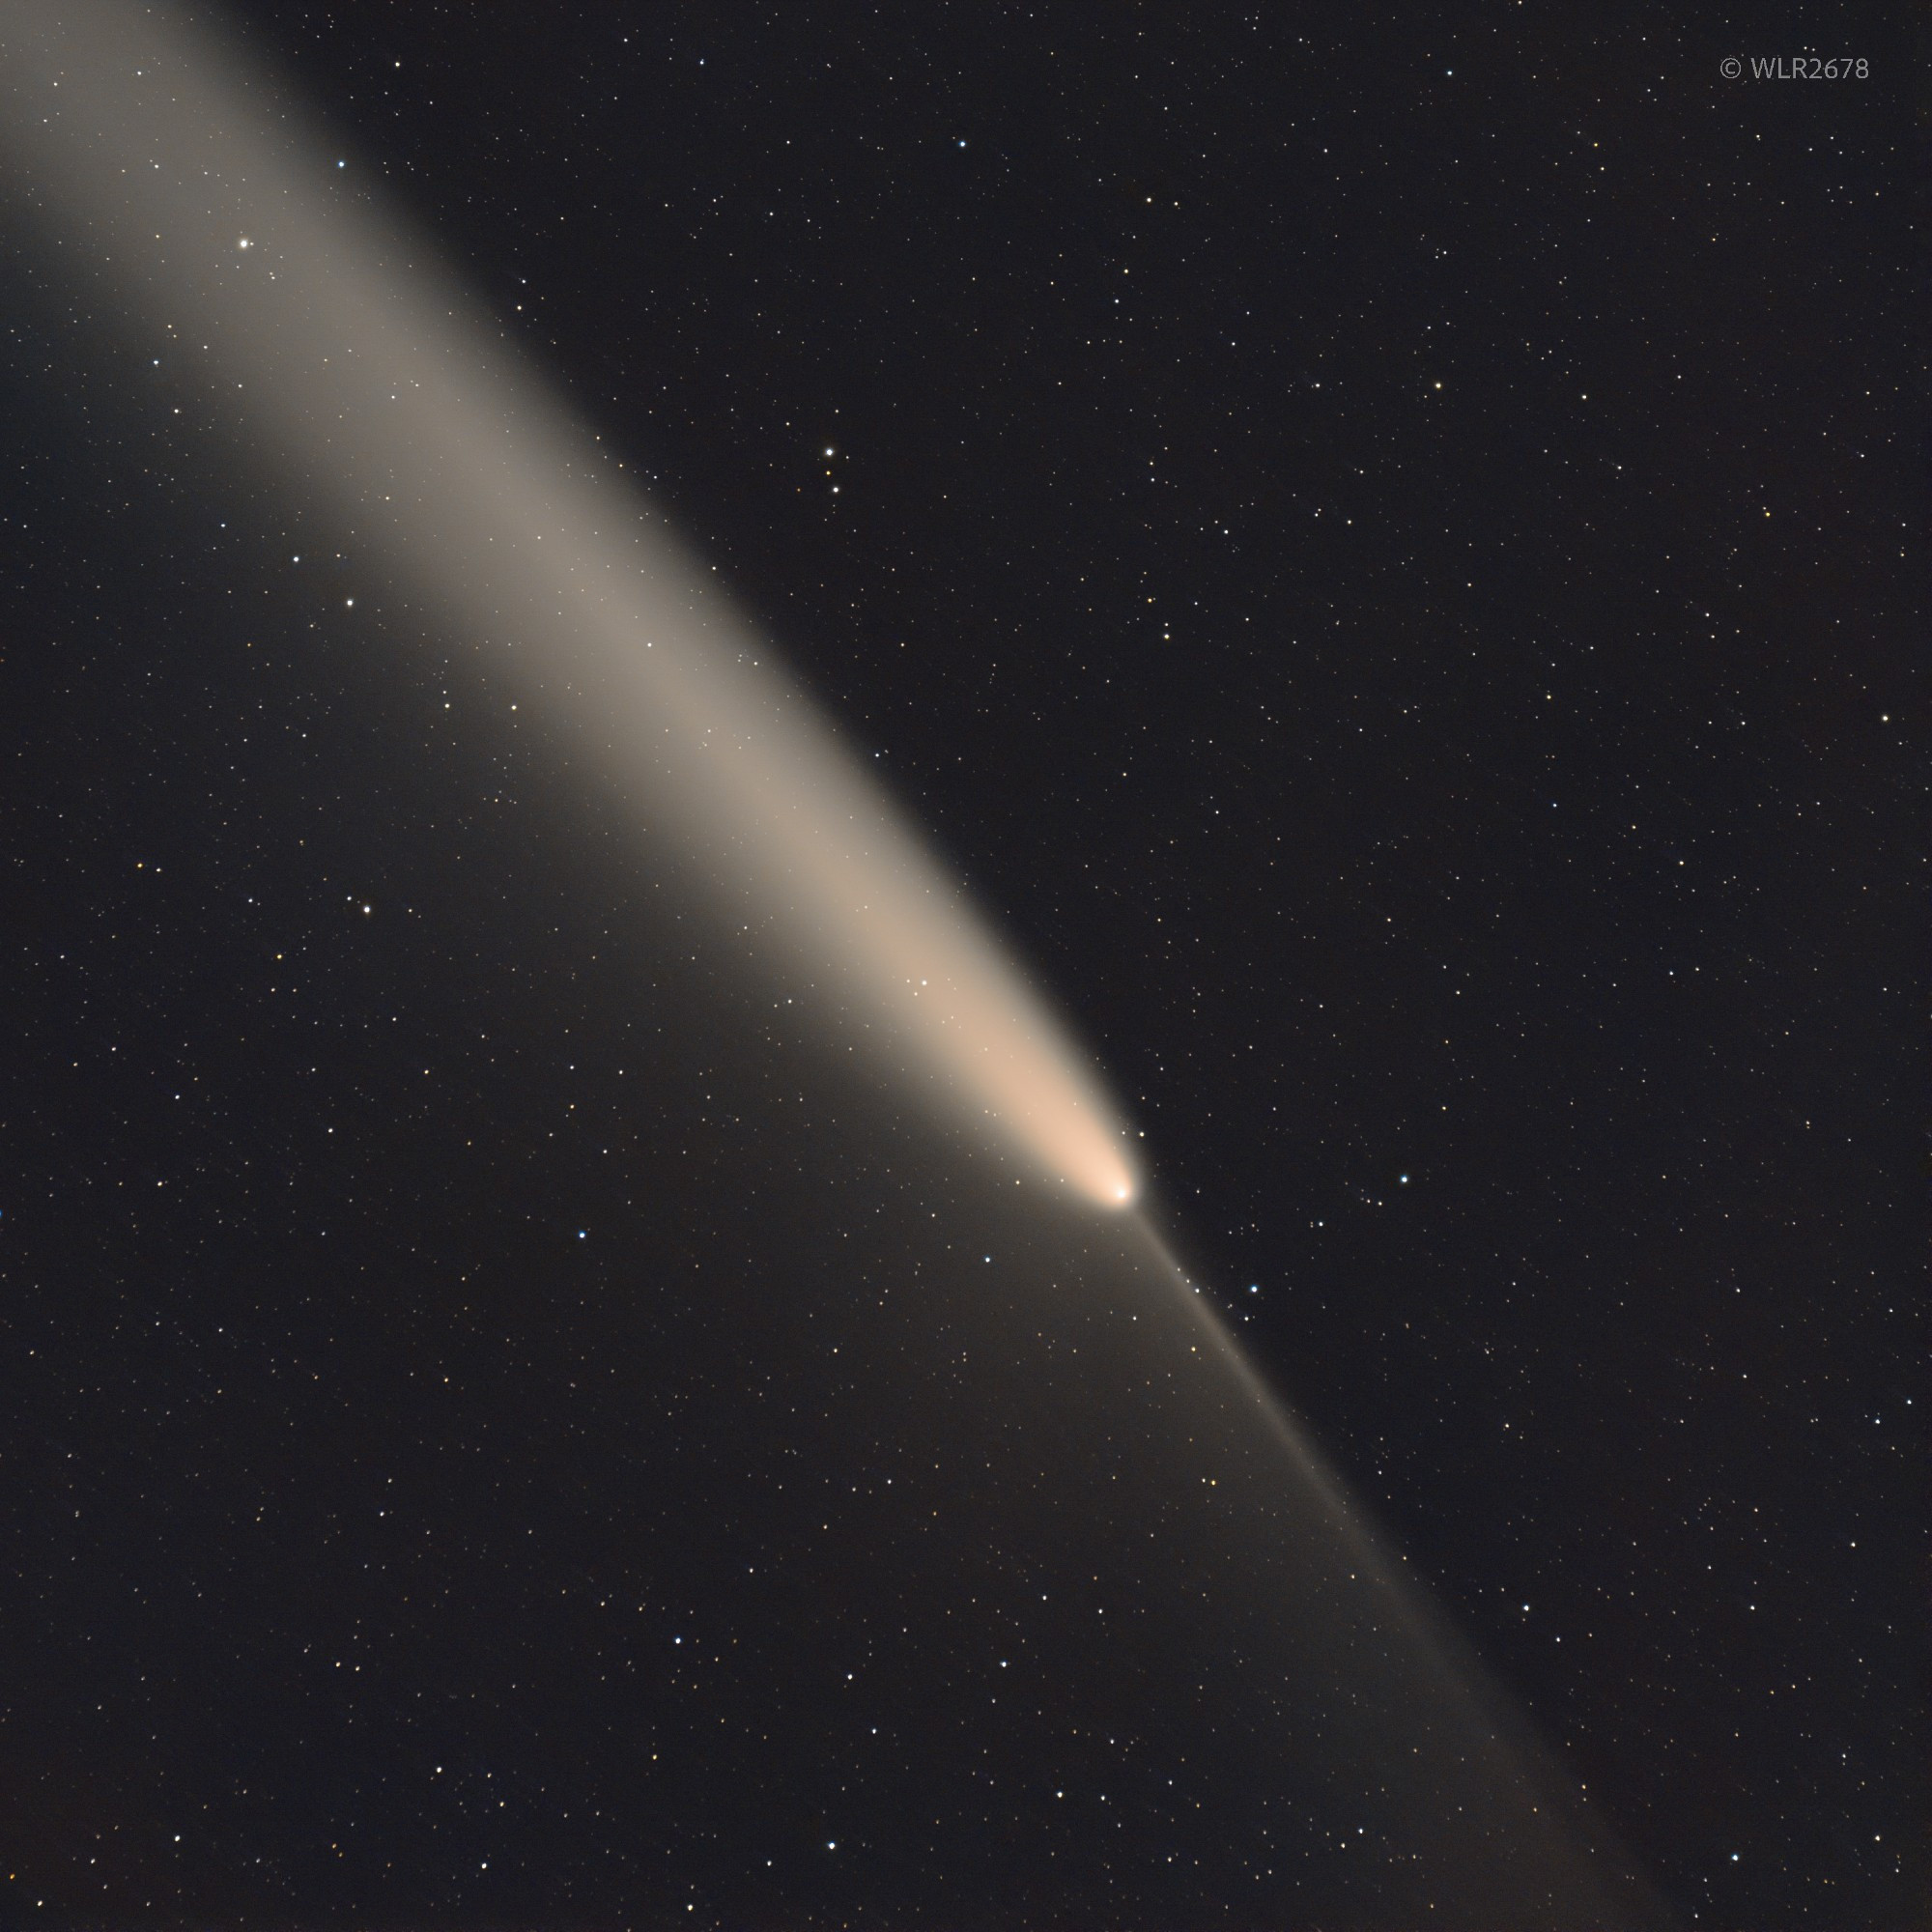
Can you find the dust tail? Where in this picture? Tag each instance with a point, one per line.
(168, 176)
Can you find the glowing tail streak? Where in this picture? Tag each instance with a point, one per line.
(172, 176)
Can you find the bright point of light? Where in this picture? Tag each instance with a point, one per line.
(244, 242)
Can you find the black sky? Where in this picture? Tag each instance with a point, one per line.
(1378, 547)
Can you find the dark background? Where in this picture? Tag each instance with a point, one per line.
(1376, 547)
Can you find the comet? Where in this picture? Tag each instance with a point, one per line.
(171, 174)
(162, 169)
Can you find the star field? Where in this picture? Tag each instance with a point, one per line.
(1374, 547)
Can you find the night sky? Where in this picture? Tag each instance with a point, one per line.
(1376, 546)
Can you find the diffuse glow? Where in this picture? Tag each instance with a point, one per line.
(158, 163)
